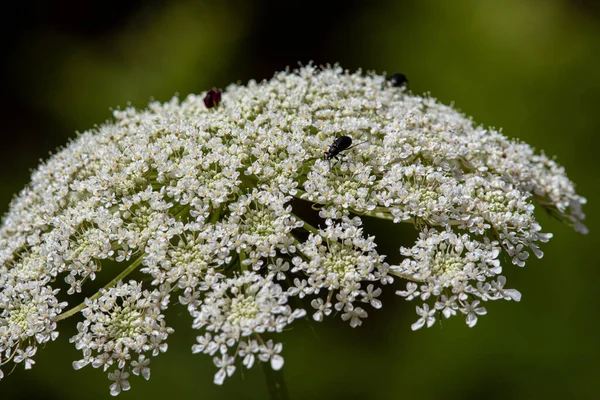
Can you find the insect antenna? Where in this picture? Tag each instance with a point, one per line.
(357, 144)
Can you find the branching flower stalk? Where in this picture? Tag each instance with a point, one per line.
(197, 197)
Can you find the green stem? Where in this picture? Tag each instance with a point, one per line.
(307, 226)
(243, 267)
(297, 243)
(275, 383)
(215, 216)
(378, 214)
(408, 277)
(181, 212)
(110, 284)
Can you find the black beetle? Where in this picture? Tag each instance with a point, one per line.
(399, 80)
(339, 144)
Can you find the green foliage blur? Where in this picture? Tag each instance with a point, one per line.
(531, 67)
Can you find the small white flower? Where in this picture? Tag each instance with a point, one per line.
(24, 356)
(140, 367)
(121, 382)
(507, 294)
(271, 351)
(369, 296)
(472, 310)
(354, 315)
(248, 351)
(427, 317)
(279, 269)
(447, 305)
(226, 368)
(411, 291)
(323, 309)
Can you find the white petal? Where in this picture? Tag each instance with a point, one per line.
(418, 325)
(318, 316)
(471, 320)
(219, 377)
(115, 389)
(79, 364)
(514, 294)
(276, 362)
(376, 303)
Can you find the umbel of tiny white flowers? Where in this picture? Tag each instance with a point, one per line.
(199, 201)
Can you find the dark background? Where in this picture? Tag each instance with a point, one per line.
(529, 66)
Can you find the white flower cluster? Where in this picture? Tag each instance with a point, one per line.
(337, 260)
(202, 200)
(124, 322)
(233, 311)
(454, 269)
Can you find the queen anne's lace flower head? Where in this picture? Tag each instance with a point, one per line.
(203, 200)
(121, 327)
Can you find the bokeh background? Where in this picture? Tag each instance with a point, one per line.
(529, 66)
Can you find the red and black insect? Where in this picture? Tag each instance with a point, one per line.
(212, 98)
(339, 144)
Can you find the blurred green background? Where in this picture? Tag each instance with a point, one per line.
(529, 66)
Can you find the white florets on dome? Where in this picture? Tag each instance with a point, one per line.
(203, 203)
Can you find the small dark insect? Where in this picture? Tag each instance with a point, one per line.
(339, 144)
(399, 80)
(212, 98)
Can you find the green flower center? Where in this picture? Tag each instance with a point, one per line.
(243, 308)
(340, 261)
(124, 323)
(447, 264)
